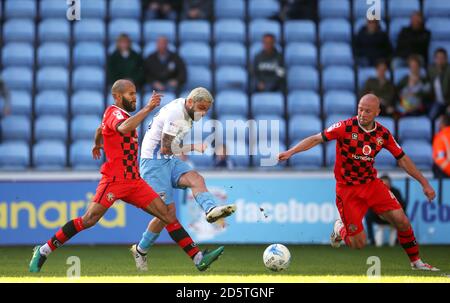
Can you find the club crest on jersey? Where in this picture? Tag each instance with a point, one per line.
(354, 136)
(335, 125)
(366, 150)
(110, 197)
(380, 141)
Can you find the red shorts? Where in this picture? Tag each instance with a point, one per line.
(136, 192)
(353, 201)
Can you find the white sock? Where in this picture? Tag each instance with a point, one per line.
(198, 257)
(45, 250)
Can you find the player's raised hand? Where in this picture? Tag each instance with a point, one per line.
(96, 153)
(429, 192)
(155, 100)
(284, 156)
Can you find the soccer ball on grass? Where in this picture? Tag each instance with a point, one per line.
(277, 257)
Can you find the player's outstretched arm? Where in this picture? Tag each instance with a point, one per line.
(408, 165)
(98, 143)
(303, 145)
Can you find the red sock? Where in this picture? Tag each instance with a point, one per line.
(179, 235)
(69, 230)
(344, 236)
(409, 244)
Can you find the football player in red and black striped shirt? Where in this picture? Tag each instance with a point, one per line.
(359, 139)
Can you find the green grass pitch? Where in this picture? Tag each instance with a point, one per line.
(239, 263)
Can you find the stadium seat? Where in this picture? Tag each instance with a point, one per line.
(50, 128)
(339, 102)
(336, 53)
(154, 29)
(402, 8)
(387, 122)
(90, 30)
(300, 53)
(15, 156)
(49, 155)
(81, 157)
(84, 126)
(436, 8)
(15, 127)
(225, 9)
(332, 119)
(265, 158)
(231, 30)
(303, 78)
(401, 72)
(125, 9)
(263, 8)
(299, 31)
(231, 102)
(303, 103)
(52, 78)
(18, 30)
(131, 27)
(57, 30)
(257, 47)
(310, 159)
(88, 78)
(51, 102)
(198, 76)
(338, 77)
(267, 103)
(440, 28)
(414, 128)
(361, 9)
(330, 153)
(395, 27)
(334, 9)
(268, 125)
(259, 27)
(240, 162)
(20, 9)
(195, 53)
(18, 78)
(363, 21)
(420, 152)
(231, 77)
(385, 160)
(230, 53)
(302, 126)
(194, 30)
(85, 102)
(20, 102)
(53, 54)
(89, 53)
(18, 54)
(335, 30)
(93, 9)
(53, 9)
(232, 128)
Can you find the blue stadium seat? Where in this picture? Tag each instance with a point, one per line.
(154, 29)
(52, 78)
(18, 30)
(387, 122)
(149, 48)
(84, 126)
(51, 102)
(240, 162)
(88, 78)
(259, 27)
(231, 77)
(303, 103)
(266, 160)
(302, 126)
(330, 153)
(53, 53)
(363, 21)
(198, 76)
(232, 30)
(18, 78)
(50, 128)
(440, 28)
(268, 124)
(300, 53)
(335, 30)
(334, 9)
(339, 102)
(131, 27)
(20, 9)
(338, 77)
(414, 128)
(194, 30)
(125, 9)
(402, 8)
(385, 160)
(93, 30)
(420, 152)
(81, 157)
(360, 9)
(85, 102)
(364, 73)
(436, 8)
(195, 53)
(231, 102)
(263, 8)
(49, 155)
(310, 159)
(18, 54)
(229, 126)
(395, 27)
(15, 127)
(332, 119)
(267, 103)
(336, 53)
(54, 30)
(53, 9)
(93, 9)
(89, 53)
(299, 31)
(230, 53)
(20, 102)
(303, 78)
(229, 9)
(15, 156)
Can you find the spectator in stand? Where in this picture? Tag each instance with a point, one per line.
(221, 159)
(165, 70)
(125, 63)
(441, 149)
(269, 67)
(439, 74)
(299, 9)
(413, 39)
(414, 90)
(383, 88)
(371, 44)
(197, 9)
(161, 9)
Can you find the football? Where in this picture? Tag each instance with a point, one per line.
(277, 257)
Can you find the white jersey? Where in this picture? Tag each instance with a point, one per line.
(172, 119)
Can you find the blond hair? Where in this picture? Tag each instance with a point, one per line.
(200, 94)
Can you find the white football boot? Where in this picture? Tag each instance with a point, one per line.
(335, 238)
(220, 212)
(141, 260)
(420, 265)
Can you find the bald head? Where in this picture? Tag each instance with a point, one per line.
(124, 93)
(371, 100)
(120, 86)
(368, 109)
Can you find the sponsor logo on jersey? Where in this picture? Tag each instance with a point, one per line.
(354, 136)
(380, 141)
(366, 150)
(364, 158)
(335, 125)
